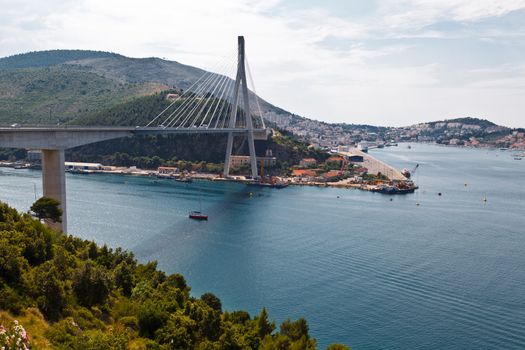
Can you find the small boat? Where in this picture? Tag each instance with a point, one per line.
(517, 158)
(278, 185)
(184, 179)
(197, 215)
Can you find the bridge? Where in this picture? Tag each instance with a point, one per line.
(212, 105)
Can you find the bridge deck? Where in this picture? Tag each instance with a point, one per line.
(63, 137)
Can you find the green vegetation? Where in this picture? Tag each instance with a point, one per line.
(47, 208)
(59, 94)
(69, 293)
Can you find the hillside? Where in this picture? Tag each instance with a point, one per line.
(166, 149)
(61, 85)
(68, 293)
(59, 94)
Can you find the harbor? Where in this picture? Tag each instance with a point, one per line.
(367, 173)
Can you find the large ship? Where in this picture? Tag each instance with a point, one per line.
(397, 188)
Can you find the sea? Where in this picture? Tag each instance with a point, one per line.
(443, 268)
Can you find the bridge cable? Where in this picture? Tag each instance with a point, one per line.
(254, 92)
(218, 86)
(224, 89)
(204, 91)
(178, 114)
(180, 96)
(207, 96)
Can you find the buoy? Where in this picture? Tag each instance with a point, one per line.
(484, 199)
(391, 199)
(250, 194)
(439, 193)
(417, 204)
(337, 196)
(465, 185)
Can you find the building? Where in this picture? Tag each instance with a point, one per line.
(172, 96)
(34, 156)
(77, 166)
(303, 173)
(240, 161)
(355, 158)
(167, 170)
(306, 162)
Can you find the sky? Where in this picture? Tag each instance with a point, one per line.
(381, 62)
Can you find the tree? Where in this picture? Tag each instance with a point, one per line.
(47, 208)
(212, 301)
(295, 330)
(264, 326)
(123, 276)
(91, 285)
(49, 291)
(337, 347)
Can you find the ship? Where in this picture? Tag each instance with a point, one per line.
(197, 215)
(267, 181)
(401, 188)
(362, 146)
(278, 185)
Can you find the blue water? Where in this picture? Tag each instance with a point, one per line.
(364, 270)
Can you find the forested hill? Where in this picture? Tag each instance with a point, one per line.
(69, 293)
(48, 87)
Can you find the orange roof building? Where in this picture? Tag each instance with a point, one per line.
(303, 173)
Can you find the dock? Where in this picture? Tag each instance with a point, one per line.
(376, 166)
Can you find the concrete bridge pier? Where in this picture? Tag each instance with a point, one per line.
(54, 182)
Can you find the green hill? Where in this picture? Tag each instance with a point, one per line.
(61, 85)
(58, 94)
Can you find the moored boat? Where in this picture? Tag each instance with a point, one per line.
(197, 215)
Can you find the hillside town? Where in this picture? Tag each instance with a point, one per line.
(471, 132)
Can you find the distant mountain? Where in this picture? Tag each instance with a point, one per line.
(63, 85)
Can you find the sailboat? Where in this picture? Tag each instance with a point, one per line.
(198, 214)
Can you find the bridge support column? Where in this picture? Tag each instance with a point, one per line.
(229, 148)
(54, 182)
(241, 84)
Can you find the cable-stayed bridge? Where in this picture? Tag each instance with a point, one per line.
(214, 104)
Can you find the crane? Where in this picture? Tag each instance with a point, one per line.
(408, 173)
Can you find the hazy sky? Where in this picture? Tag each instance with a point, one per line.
(387, 62)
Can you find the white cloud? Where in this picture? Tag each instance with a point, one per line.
(294, 65)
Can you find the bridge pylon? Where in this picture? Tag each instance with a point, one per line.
(241, 83)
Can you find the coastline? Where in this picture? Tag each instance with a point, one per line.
(394, 182)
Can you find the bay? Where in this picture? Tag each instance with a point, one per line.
(365, 269)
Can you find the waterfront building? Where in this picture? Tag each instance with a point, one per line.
(240, 161)
(34, 156)
(167, 170)
(78, 166)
